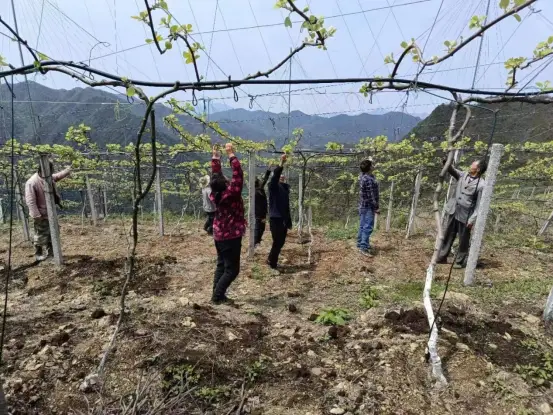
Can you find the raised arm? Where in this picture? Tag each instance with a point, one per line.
(278, 171)
(30, 199)
(237, 181)
(455, 173)
(216, 161)
(266, 176)
(56, 177)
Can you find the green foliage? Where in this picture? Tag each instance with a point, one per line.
(476, 22)
(333, 317)
(212, 395)
(369, 297)
(3, 61)
(256, 369)
(179, 378)
(337, 231)
(538, 375)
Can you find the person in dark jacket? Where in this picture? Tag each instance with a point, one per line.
(229, 224)
(261, 206)
(279, 212)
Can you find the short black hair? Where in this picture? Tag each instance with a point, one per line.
(366, 166)
(482, 166)
(51, 163)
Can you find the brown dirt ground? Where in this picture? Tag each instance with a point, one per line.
(260, 354)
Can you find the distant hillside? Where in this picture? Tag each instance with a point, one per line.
(516, 123)
(57, 110)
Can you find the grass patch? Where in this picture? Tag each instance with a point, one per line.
(410, 291)
(337, 231)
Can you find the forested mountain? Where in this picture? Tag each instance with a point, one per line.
(516, 122)
(57, 109)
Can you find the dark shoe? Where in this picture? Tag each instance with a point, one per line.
(365, 252)
(275, 266)
(224, 300)
(441, 261)
(458, 266)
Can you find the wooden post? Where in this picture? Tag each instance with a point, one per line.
(51, 208)
(93, 212)
(390, 206)
(251, 197)
(159, 201)
(20, 209)
(483, 210)
(412, 215)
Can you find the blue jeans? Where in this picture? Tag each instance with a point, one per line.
(366, 224)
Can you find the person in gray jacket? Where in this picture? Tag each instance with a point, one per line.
(208, 205)
(461, 210)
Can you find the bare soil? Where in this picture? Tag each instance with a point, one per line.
(265, 355)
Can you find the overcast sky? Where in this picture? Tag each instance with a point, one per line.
(69, 29)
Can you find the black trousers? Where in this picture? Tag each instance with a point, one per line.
(260, 224)
(279, 230)
(228, 266)
(208, 225)
(453, 228)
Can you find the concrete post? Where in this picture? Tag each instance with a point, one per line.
(159, 202)
(251, 197)
(20, 209)
(51, 208)
(390, 206)
(2, 218)
(105, 195)
(300, 204)
(412, 215)
(484, 209)
(93, 212)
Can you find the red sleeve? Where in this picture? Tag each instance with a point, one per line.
(237, 181)
(216, 165)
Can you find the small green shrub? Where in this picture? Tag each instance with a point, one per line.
(256, 369)
(333, 317)
(538, 375)
(369, 297)
(212, 394)
(179, 378)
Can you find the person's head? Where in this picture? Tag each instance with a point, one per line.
(478, 167)
(218, 183)
(204, 181)
(366, 166)
(282, 178)
(257, 183)
(51, 163)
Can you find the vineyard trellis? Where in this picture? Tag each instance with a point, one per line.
(140, 154)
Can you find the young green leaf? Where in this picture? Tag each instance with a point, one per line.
(287, 22)
(517, 16)
(168, 45)
(131, 91)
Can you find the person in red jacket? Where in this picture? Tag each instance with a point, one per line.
(229, 224)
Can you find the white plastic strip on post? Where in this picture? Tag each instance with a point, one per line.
(90, 194)
(2, 218)
(390, 207)
(548, 311)
(546, 224)
(483, 211)
(251, 197)
(435, 360)
(51, 208)
(20, 210)
(159, 202)
(105, 193)
(412, 215)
